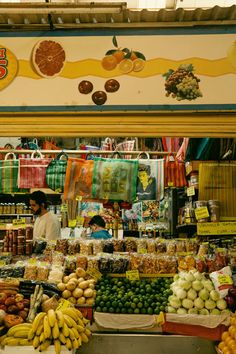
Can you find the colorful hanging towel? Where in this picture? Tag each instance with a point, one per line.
(114, 179)
(9, 174)
(150, 182)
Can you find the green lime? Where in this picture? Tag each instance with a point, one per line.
(136, 300)
(104, 309)
(118, 310)
(108, 304)
(143, 311)
(114, 304)
(130, 311)
(127, 304)
(157, 311)
(98, 309)
(136, 311)
(123, 310)
(150, 311)
(139, 305)
(102, 303)
(111, 309)
(162, 308)
(133, 305)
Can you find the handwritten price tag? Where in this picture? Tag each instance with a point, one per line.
(19, 222)
(190, 191)
(94, 273)
(132, 274)
(63, 304)
(201, 213)
(72, 223)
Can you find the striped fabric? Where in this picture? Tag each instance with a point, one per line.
(174, 172)
(55, 175)
(32, 172)
(8, 176)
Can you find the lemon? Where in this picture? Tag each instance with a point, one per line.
(138, 64)
(125, 66)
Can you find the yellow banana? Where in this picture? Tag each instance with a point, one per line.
(43, 346)
(68, 344)
(71, 334)
(84, 338)
(85, 320)
(51, 317)
(62, 338)
(80, 322)
(31, 334)
(60, 318)
(42, 337)
(2, 338)
(79, 339)
(23, 333)
(75, 344)
(79, 314)
(80, 328)
(39, 329)
(76, 333)
(69, 321)
(19, 327)
(36, 342)
(55, 331)
(57, 346)
(65, 330)
(70, 311)
(11, 341)
(87, 332)
(46, 328)
(25, 342)
(37, 320)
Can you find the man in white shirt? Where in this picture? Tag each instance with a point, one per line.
(46, 226)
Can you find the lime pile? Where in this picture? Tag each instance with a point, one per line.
(121, 295)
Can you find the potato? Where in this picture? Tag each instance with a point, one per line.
(77, 293)
(66, 294)
(61, 286)
(73, 275)
(83, 284)
(66, 279)
(72, 300)
(90, 301)
(88, 292)
(71, 285)
(81, 300)
(80, 272)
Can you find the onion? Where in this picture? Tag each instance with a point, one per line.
(2, 315)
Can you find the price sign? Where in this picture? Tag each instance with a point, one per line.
(225, 279)
(190, 191)
(216, 228)
(2, 263)
(64, 208)
(142, 250)
(132, 274)
(201, 213)
(63, 304)
(94, 273)
(170, 184)
(72, 223)
(19, 222)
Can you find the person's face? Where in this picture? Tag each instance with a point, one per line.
(93, 228)
(36, 209)
(143, 176)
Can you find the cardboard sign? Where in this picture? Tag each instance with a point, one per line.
(132, 274)
(201, 213)
(216, 228)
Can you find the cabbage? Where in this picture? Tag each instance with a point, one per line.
(203, 312)
(197, 285)
(204, 294)
(181, 311)
(189, 277)
(193, 311)
(215, 312)
(210, 304)
(221, 304)
(184, 284)
(171, 309)
(198, 276)
(176, 277)
(191, 294)
(174, 302)
(187, 303)
(181, 294)
(214, 295)
(199, 303)
(208, 284)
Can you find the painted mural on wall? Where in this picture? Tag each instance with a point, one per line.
(118, 72)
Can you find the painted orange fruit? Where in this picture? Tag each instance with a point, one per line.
(48, 58)
(109, 62)
(126, 65)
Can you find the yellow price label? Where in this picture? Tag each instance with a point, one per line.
(201, 213)
(190, 191)
(32, 261)
(142, 250)
(72, 223)
(18, 222)
(170, 184)
(132, 274)
(64, 208)
(94, 273)
(2, 263)
(63, 304)
(80, 220)
(225, 279)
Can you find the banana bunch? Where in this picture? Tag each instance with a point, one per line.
(61, 327)
(17, 335)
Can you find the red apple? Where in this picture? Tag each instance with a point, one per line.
(20, 305)
(3, 307)
(19, 297)
(10, 301)
(26, 302)
(23, 314)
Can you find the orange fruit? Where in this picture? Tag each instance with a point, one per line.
(8, 67)
(133, 56)
(225, 335)
(230, 341)
(138, 64)
(221, 345)
(109, 62)
(119, 55)
(125, 66)
(48, 58)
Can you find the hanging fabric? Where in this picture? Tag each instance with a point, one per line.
(114, 179)
(150, 181)
(78, 180)
(9, 174)
(32, 171)
(56, 172)
(175, 175)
